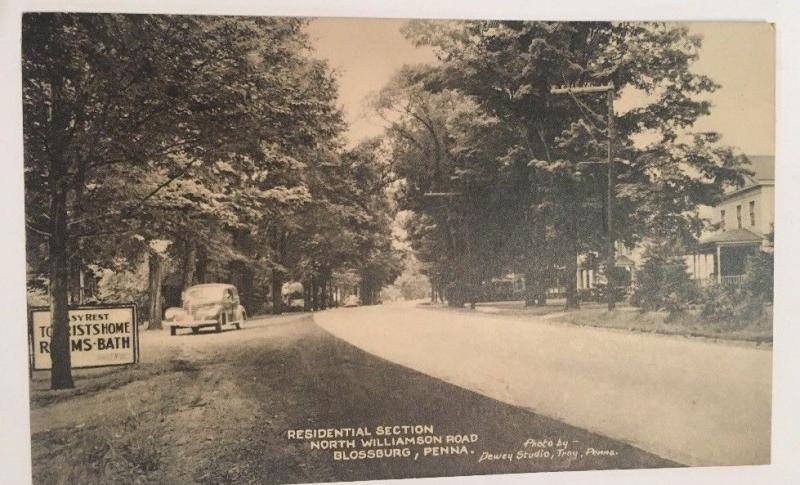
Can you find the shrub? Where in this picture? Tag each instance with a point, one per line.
(663, 282)
(743, 303)
(760, 276)
(730, 304)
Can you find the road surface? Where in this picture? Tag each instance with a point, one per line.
(692, 401)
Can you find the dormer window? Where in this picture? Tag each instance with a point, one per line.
(722, 220)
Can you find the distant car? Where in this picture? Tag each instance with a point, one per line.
(295, 305)
(351, 301)
(293, 302)
(214, 305)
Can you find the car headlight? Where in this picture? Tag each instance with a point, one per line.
(175, 314)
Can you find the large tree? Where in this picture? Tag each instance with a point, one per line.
(448, 154)
(159, 127)
(346, 227)
(509, 67)
(98, 92)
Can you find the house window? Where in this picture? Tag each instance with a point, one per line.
(739, 216)
(752, 213)
(722, 220)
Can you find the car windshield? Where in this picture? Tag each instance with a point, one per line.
(204, 293)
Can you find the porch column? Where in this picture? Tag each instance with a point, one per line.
(719, 264)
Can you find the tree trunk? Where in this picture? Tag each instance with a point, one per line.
(277, 295)
(58, 242)
(536, 275)
(323, 292)
(154, 290)
(201, 269)
(75, 280)
(541, 263)
(242, 274)
(318, 293)
(279, 243)
(89, 285)
(366, 298)
(313, 293)
(61, 372)
(541, 258)
(571, 260)
(246, 289)
(454, 295)
(190, 264)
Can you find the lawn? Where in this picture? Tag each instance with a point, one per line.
(627, 317)
(690, 324)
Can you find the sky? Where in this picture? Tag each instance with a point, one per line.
(740, 56)
(365, 53)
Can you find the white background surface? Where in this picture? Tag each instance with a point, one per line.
(14, 419)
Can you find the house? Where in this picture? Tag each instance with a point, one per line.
(506, 288)
(744, 218)
(589, 275)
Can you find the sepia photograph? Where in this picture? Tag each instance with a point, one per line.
(271, 249)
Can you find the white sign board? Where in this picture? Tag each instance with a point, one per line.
(99, 336)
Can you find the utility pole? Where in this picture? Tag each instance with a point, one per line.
(610, 239)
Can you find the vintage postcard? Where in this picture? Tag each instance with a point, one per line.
(277, 250)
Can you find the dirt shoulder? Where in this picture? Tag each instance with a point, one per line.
(216, 409)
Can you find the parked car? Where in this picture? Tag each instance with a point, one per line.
(351, 300)
(214, 305)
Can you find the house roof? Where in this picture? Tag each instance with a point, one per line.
(623, 261)
(763, 168)
(732, 237)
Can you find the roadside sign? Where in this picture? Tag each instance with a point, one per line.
(100, 336)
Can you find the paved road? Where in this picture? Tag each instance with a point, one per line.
(695, 402)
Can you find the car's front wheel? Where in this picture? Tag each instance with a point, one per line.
(221, 321)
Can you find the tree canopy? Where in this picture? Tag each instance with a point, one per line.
(528, 165)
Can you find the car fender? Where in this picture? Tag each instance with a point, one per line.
(241, 313)
(176, 314)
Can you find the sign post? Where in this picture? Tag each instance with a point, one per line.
(100, 336)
